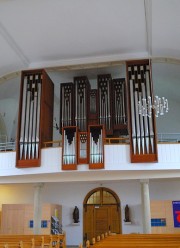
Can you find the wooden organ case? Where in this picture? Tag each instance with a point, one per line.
(94, 113)
(143, 143)
(35, 121)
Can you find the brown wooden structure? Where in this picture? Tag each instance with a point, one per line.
(35, 122)
(96, 113)
(143, 143)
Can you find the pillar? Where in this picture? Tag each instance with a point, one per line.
(145, 202)
(37, 207)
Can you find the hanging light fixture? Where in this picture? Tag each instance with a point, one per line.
(160, 106)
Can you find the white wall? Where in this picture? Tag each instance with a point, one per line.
(70, 195)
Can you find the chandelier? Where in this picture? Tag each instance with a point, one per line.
(160, 106)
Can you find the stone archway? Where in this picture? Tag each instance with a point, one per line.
(101, 213)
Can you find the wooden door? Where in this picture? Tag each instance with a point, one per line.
(114, 219)
(88, 222)
(100, 219)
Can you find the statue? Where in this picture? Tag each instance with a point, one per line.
(127, 219)
(76, 214)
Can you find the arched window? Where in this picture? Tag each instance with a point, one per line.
(101, 196)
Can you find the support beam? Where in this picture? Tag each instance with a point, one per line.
(145, 202)
(37, 208)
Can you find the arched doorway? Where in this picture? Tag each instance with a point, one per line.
(101, 213)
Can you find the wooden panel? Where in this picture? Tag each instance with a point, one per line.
(114, 219)
(47, 108)
(143, 143)
(83, 157)
(101, 215)
(88, 222)
(16, 217)
(163, 209)
(28, 215)
(12, 219)
(35, 122)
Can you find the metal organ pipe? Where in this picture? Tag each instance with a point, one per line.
(29, 134)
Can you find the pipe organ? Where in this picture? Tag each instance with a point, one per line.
(82, 106)
(103, 109)
(143, 142)
(67, 103)
(93, 107)
(96, 148)
(119, 110)
(82, 147)
(69, 145)
(35, 122)
(86, 116)
(105, 102)
(82, 87)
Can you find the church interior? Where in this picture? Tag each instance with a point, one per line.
(89, 123)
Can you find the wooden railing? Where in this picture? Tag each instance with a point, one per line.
(135, 241)
(107, 141)
(33, 241)
(53, 143)
(115, 141)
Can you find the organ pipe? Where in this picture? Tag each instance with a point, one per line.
(35, 117)
(143, 140)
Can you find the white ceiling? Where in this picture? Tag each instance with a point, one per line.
(50, 33)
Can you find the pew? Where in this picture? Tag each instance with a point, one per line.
(33, 241)
(139, 241)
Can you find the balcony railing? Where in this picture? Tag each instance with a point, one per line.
(7, 146)
(162, 138)
(168, 137)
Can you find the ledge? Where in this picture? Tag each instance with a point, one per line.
(76, 224)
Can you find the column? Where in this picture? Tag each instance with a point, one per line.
(37, 208)
(145, 202)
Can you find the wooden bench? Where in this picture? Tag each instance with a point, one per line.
(139, 241)
(33, 241)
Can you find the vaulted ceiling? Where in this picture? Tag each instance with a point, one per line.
(44, 33)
